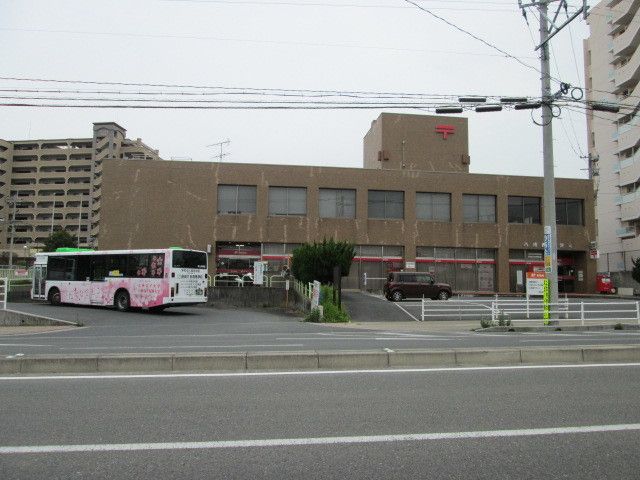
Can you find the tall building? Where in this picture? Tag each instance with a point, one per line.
(52, 184)
(612, 67)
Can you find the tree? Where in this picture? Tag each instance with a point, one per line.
(59, 239)
(635, 273)
(315, 261)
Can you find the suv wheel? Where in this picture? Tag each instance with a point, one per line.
(396, 296)
(443, 295)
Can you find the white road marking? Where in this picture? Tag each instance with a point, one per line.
(299, 373)
(22, 345)
(293, 442)
(406, 312)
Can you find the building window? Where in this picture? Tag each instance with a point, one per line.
(236, 199)
(569, 211)
(524, 209)
(287, 201)
(334, 203)
(433, 206)
(386, 204)
(479, 208)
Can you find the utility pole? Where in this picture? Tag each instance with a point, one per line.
(221, 145)
(548, 29)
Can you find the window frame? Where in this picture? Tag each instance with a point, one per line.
(236, 210)
(337, 191)
(477, 208)
(432, 205)
(386, 214)
(287, 212)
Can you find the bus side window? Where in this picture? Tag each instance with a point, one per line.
(98, 268)
(83, 268)
(60, 268)
(138, 266)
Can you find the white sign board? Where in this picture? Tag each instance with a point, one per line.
(258, 273)
(535, 283)
(315, 295)
(410, 264)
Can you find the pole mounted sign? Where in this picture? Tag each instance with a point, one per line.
(547, 249)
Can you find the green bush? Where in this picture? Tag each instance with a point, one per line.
(485, 322)
(618, 326)
(313, 316)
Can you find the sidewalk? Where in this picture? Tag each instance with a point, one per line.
(433, 326)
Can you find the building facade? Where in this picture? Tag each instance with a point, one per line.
(612, 67)
(53, 184)
(414, 206)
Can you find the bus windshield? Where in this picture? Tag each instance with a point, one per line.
(188, 259)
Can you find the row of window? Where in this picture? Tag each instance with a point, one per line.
(389, 204)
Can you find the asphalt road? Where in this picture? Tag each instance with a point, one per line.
(578, 422)
(199, 329)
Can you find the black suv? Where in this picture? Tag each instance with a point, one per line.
(401, 285)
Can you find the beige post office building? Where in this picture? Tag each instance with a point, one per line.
(413, 205)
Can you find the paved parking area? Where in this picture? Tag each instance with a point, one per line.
(199, 329)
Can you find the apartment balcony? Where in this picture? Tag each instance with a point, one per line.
(626, 232)
(630, 170)
(630, 211)
(626, 44)
(628, 136)
(628, 75)
(624, 12)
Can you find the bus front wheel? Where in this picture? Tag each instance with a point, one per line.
(54, 296)
(122, 301)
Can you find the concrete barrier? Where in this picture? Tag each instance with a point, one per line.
(185, 362)
(58, 364)
(12, 318)
(613, 353)
(502, 356)
(352, 359)
(422, 358)
(282, 361)
(550, 355)
(135, 363)
(314, 360)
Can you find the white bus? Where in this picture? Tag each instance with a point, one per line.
(149, 279)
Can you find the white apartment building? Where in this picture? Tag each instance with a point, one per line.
(54, 184)
(612, 67)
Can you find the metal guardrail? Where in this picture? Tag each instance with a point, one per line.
(526, 310)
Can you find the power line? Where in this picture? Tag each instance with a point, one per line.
(245, 40)
(474, 36)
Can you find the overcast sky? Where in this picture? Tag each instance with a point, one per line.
(348, 45)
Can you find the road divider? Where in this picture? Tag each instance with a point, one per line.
(315, 360)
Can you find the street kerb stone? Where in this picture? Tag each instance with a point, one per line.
(214, 362)
(488, 357)
(10, 365)
(422, 358)
(303, 360)
(614, 353)
(551, 355)
(353, 359)
(74, 364)
(135, 363)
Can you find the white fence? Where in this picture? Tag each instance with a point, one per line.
(4, 290)
(576, 312)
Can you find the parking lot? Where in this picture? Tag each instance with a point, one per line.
(201, 329)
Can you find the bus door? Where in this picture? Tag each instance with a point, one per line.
(39, 279)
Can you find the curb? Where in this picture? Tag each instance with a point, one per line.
(559, 328)
(314, 360)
